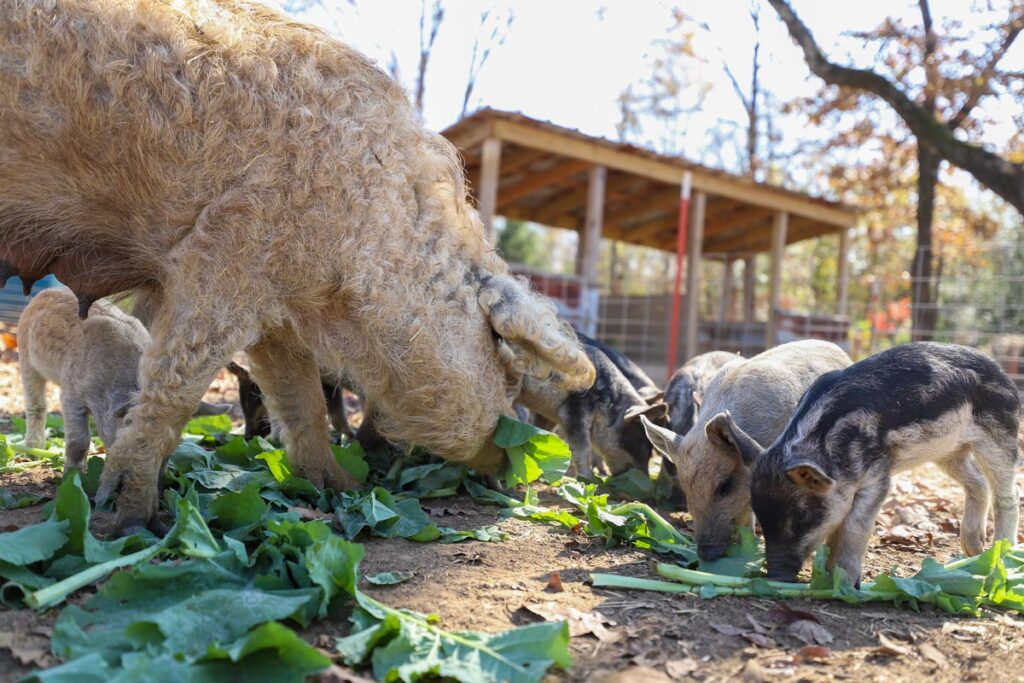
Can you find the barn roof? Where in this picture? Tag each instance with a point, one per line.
(543, 178)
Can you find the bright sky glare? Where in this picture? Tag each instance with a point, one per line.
(567, 60)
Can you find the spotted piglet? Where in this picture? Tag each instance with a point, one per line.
(825, 478)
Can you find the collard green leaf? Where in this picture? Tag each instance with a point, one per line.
(33, 543)
(743, 558)
(353, 459)
(533, 453)
(72, 505)
(270, 652)
(209, 425)
(11, 501)
(333, 565)
(406, 646)
(239, 509)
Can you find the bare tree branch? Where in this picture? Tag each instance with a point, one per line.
(980, 84)
(426, 46)
(1001, 176)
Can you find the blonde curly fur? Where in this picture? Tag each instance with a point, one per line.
(275, 192)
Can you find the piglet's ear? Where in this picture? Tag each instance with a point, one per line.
(811, 478)
(723, 433)
(665, 441)
(650, 394)
(656, 413)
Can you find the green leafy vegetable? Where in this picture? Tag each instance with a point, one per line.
(532, 453)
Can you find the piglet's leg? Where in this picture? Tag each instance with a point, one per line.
(193, 335)
(849, 542)
(997, 457)
(34, 387)
(962, 469)
(577, 435)
(76, 431)
(287, 373)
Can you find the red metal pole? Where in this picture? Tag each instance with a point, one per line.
(684, 219)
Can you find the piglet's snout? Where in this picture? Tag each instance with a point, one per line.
(711, 551)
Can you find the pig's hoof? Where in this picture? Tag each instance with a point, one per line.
(110, 482)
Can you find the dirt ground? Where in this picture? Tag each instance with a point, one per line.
(652, 636)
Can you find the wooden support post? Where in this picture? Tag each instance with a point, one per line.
(725, 306)
(490, 162)
(779, 228)
(842, 270)
(694, 252)
(588, 249)
(749, 285)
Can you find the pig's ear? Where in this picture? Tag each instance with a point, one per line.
(723, 432)
(211, 408)
(665, 441)
(656, 413)
(810, 477)
(126, 403)
(650, 394)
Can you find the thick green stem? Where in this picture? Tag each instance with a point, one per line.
(636, 583)
(698, 578)
(53, 594)
(34, 452)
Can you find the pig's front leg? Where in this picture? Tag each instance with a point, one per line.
(77, 439)
(191, 340)
(849, 542)
(289, 378)
(577, 436)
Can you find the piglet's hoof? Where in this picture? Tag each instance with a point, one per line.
(130, 527)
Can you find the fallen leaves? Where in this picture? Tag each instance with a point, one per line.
(580, 623)
(810, 632)
(555, 583)
(812, 652)
(890, 648)
(678, 669)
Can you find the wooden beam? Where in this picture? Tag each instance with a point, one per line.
(666, 171)
(533, 182)
(749, 285)
(842, 270)
(557, 208)
(489, 174)
(779, 227)
(647, 233)
(694, 250)
(736, 219)
(466, 137)
(588, 248)
(661, 202)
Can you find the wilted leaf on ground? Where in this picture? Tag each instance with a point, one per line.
(784, 614)
(887, 647)
(810, 632)
(728, 629)
(813, 652)
(389, 578)
(679, 669)
(580, 623)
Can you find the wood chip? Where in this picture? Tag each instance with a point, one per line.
(555, 583)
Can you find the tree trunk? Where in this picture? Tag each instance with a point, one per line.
(922, 271)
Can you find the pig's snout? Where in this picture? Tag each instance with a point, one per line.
(711, 551)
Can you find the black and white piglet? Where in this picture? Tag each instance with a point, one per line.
(825, 478)
(604, 419)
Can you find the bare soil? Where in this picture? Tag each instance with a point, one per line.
(646, 636)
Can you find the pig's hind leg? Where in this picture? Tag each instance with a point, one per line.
(288, 375)
(997, 456)
(963, 469)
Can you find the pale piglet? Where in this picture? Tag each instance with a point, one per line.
(94, 361)
(759, 394)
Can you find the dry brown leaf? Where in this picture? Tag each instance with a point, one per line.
(679, 669)
(759, 639)
(930, 652)
(784, 614)
(555, 583)
(580, 623)
(813, 652)
(890, 648)
(756, 624)
(24, 650)
(752, 672)
(727, 629)
(810, 632)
